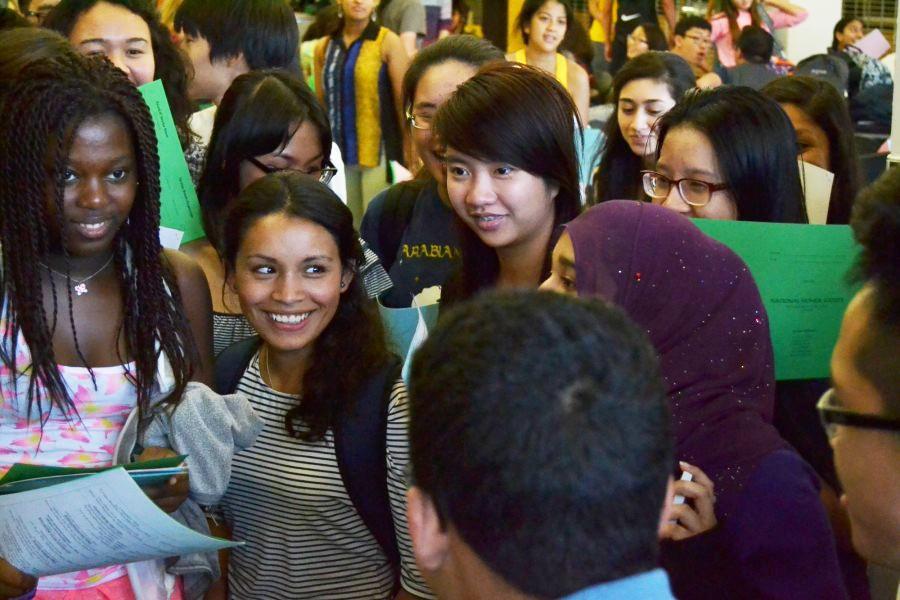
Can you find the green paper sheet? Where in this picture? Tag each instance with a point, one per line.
(801, 272)
(179, 206)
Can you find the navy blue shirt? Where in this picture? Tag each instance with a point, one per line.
(429, 247)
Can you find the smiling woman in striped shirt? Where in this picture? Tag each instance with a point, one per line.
(321, 378)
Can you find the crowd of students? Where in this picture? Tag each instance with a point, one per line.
(593, 343)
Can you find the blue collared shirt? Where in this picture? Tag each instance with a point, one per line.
(651, 585)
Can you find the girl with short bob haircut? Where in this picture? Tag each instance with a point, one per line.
(414, 213)
(99, 323)
(757, 179)
(643, 90)
(292, 255)
(822, 122)
(512, 174)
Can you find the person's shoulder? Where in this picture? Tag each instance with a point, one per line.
(188, 274)
(577, 72)
(782, 477)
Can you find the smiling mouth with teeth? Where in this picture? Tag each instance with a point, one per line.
(291, 319)
(93, 226)
(488, 218)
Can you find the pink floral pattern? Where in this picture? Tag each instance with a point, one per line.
(86, 438)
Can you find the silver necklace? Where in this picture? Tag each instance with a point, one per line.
(80, 285)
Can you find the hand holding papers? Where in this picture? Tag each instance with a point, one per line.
(94, 521)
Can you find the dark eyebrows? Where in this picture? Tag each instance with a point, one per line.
(567, 262)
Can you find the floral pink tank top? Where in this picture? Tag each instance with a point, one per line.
(83, 440)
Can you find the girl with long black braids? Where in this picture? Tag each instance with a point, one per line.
(97, 320)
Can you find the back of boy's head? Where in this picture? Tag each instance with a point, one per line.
(876, 225)
(756, 44)
(264, 31)
(540, 432)
(689, 22)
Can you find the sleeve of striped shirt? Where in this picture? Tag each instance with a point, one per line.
(374, 278)
(398, 469)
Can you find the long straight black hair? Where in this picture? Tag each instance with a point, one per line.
(755, 145)
(824, 105)
(258, 114)
(619, 174)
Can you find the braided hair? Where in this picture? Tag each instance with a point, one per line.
(38, 118)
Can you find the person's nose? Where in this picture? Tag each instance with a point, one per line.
(289, 288)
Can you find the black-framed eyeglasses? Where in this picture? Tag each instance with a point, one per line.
(323, 174)
(693, 191)
(833, 415)
(423, 122)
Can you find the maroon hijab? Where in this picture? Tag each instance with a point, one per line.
(699, 304)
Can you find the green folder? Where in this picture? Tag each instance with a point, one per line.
(802, 275)
(179, 206)
(22, 477)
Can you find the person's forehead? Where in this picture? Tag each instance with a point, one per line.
(697, 31)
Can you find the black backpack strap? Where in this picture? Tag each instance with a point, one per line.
(232, 362)
(361, 450)
(395, 217)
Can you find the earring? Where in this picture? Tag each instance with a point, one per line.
(343, 285)
(340, 12)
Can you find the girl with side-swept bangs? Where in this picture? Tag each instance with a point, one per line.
(512, 174)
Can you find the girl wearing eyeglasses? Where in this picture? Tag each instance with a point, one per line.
(543, 25)
(645, 38)
(643, 90)
(268, 121)
(729, 17)
(410, 226)
(727, 153)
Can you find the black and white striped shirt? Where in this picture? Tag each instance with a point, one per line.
(287, 500)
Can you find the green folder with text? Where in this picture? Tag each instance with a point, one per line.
(179, 207)
(802, 275)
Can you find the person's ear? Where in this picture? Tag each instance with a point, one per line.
(553, 190)
(347, 275)
(666, 511)
(431, 544)
(238, 64)
(678, 41)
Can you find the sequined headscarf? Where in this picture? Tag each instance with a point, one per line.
(702, 310)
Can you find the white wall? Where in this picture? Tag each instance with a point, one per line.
(813, 35)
